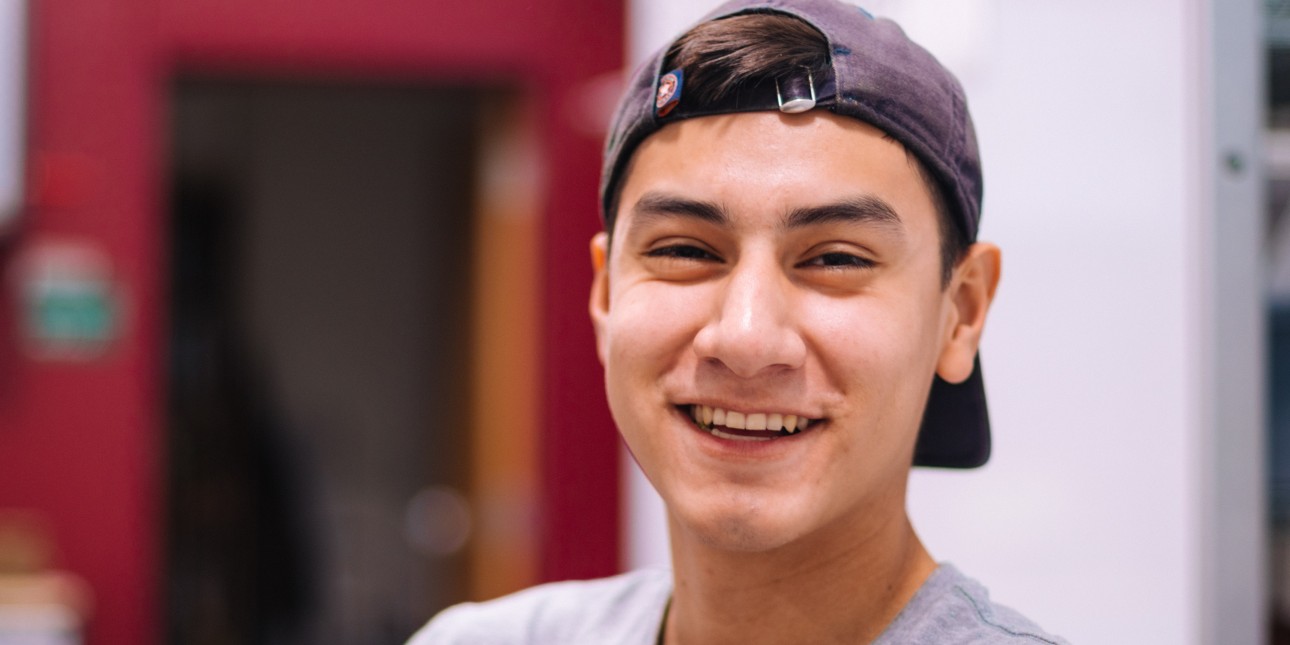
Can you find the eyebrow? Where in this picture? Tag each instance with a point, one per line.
(863, 209)
(653, 205)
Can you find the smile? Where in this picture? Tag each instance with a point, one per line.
(752, 426)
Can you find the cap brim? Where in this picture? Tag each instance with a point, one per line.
(956, 425)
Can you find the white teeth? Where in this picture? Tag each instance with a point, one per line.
(709, 417)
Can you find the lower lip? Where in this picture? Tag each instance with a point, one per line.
(765, 449)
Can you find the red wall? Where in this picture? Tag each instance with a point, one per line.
(83, 441)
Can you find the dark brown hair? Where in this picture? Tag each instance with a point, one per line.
(727, 56)
(721, 57)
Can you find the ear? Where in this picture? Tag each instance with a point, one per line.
(599, 304)
(969, 295)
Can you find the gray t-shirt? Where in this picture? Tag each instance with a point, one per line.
(949, 609)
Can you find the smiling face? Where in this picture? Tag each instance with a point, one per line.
(767, 266)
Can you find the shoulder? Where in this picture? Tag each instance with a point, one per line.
(953, 609)
(623, 609)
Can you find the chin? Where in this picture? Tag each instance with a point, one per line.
(742, 538)
(750, 527)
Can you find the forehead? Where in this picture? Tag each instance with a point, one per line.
(759, 165)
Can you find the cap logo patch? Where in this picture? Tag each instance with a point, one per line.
(669, 92)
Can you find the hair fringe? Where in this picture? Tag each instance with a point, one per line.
(723, 56)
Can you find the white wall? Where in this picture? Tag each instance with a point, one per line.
(13, 96)
(1093, 516)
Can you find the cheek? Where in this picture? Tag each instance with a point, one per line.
(885, 343)
(873, 328)
(649, 331)
(650, 324)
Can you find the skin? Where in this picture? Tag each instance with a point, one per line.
(764, 262)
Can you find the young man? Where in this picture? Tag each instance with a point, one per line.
(788, 269)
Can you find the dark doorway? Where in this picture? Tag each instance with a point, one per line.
(320, 328)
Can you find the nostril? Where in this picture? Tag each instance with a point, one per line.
(749, 356)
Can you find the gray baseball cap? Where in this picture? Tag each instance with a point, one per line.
(879, 76)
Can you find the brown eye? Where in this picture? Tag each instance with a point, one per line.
(840, 260)
(681, 252)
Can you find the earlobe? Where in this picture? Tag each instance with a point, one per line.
(598, 305)
(970, 293)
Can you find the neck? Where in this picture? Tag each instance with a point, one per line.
(844, 585)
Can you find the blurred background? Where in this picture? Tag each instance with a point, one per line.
(293, 343)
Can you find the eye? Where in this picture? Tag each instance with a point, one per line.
(681, 252)
(838, 260)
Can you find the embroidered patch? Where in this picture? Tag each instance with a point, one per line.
(669, 92)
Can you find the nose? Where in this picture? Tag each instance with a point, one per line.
(752, 328)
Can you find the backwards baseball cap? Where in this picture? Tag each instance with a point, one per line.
(879, 76)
